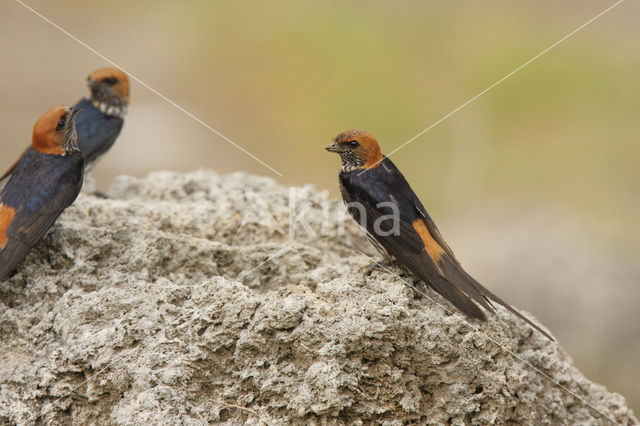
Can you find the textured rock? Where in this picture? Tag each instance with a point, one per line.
(186, 298)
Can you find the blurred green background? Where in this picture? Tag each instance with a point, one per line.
(535, 184)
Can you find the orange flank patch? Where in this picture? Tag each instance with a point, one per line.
(6, 216)
(432, 246)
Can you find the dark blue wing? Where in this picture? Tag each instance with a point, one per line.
(384, 184)
(383, 191)
(40, 189)
(5, 177)
(97, 132)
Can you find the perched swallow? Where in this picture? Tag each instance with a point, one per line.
(44, 182)
(380, 199)
(100, 116)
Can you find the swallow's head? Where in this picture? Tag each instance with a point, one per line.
(55, 132)
(109, 87)
(357, 149)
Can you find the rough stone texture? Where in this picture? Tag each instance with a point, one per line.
(164, 305)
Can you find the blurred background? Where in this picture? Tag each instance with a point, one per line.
(535, 185)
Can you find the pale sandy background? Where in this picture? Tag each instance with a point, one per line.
(535, 184)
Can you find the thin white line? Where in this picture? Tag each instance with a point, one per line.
(489, 337)
(505, 77)
(104, 58)
(272, 257)
(123, 354)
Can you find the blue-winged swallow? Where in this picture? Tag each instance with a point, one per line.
(380, 199)
(44, 182)
(101, 115)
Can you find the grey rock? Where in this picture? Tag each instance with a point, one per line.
(191, 299)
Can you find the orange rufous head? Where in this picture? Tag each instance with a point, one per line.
(55, 132)
(358, 149)
(109, 85)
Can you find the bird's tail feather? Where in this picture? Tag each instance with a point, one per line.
(446, 289)
(460, 278)
(460, 300)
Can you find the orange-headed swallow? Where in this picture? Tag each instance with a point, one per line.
(100, 116)
(380, 199)
(44, 182)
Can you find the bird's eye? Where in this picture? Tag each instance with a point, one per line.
(61, 122)
(353, 144)
(110, 80)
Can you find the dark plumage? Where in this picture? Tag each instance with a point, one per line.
(380, 199)
(44, 182)
(100, 117)
(97, 132)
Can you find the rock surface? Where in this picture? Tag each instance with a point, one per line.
(197, 298)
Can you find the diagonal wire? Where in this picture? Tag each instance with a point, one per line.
(133, 77)
(478, 330)
(422, 132)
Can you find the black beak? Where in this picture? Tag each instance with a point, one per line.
(92, 83)
(333, 148)
(74, 114)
